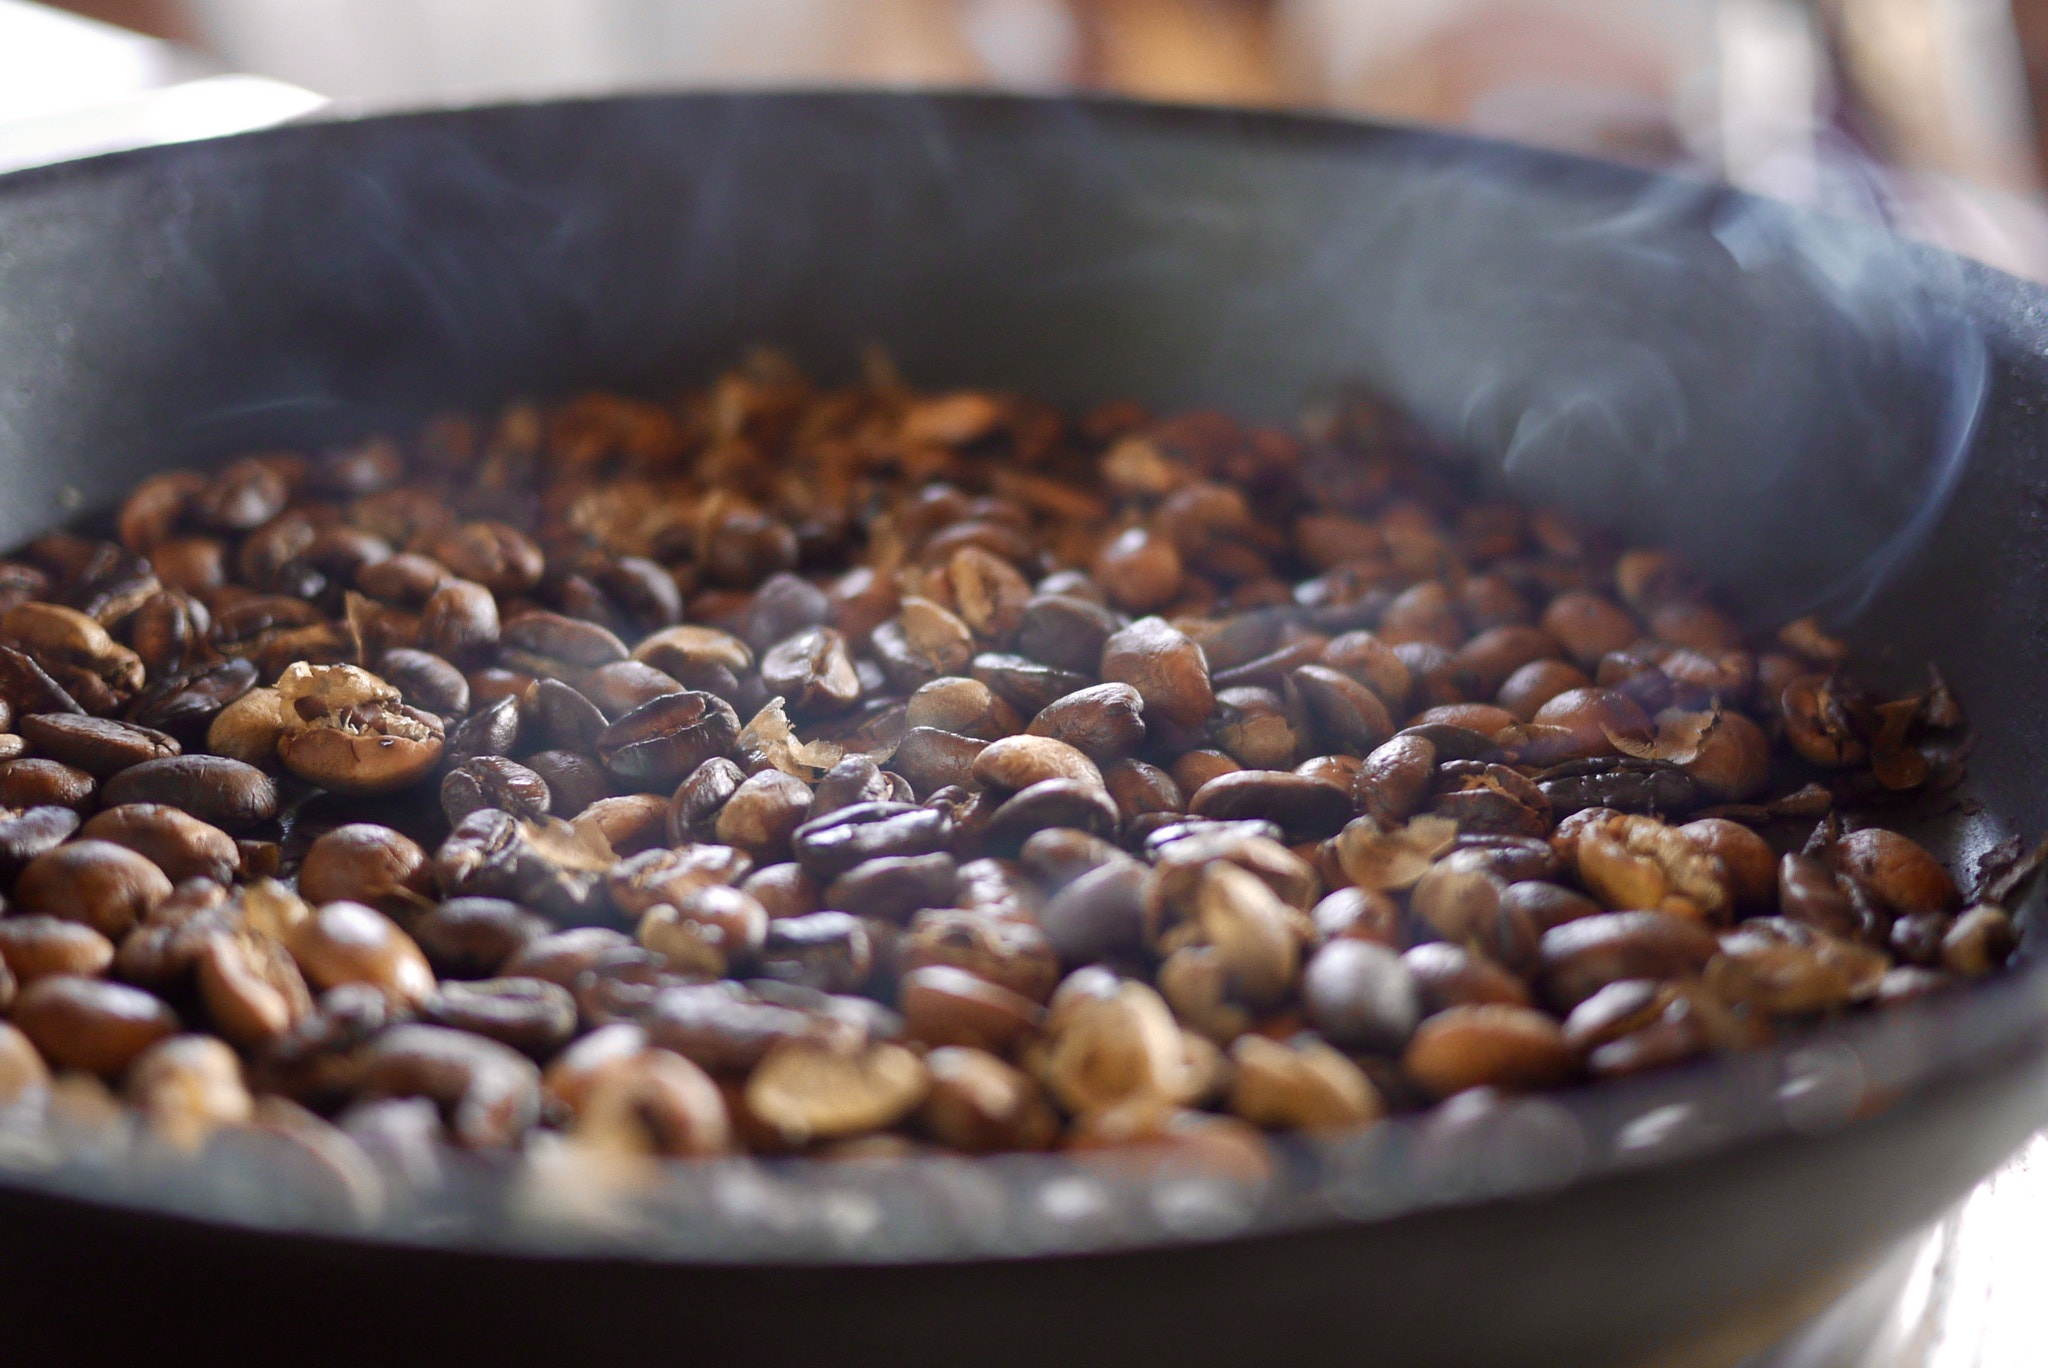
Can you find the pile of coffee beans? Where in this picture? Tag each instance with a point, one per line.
(795, 770)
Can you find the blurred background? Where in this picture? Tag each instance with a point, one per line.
(1927, 113)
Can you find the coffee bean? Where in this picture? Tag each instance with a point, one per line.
(34, 946)
(1359, 993)
(100, 746)
(1305, 809)
(90, 1024)
(893, 887)
(226, 793)
(107, 887)
(366, 863)
(531, 1015)
(33, 783)
(176, 842)
(831, 845)
(659, 743)
(473, 938)
(492, 781)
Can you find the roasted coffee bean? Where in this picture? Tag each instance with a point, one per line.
(893, 887)
(1360, 994)
(473, 938)
(227, 793)
(654, 1102)
(1065, 631)
(187, 1087)
(34, 783)
(1105, 722)
(659, 743)
(1897, 871)
(1981, 939)
(426, 681)
(1586, 954)
(944, 1005)
(1452, 976)
(1027, 685)
(492, 854)
(1494, 1045)
(574, 781)
(720, 1026)
(829, 951)
(618, 688)
(1306, 809)
(1254, 728)
(762, 814)
(785, 890)
(693, 811)
(981, 1105)
(487, 1093)
(831, 845)
(90, 1024)
(531, 1015)
(668, 876)
(184, 704)
(493, 729)
(562, 718)
(810, 1090)
(347, 942)
(1344, 714)
(492, 781)
(98, 745)
(459, 620)
(1359, 914)
(1050, 803)
(370, 864)
(1005, 951)
(1098, 915)
(27, 832)
(628, 824)
(347, 731)
(1017, 762)
(812, 671)
(1626, 785)
(34, 945)
(176, 842)
(107, 887)
(931, 759)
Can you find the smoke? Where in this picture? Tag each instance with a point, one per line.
(1787, 396)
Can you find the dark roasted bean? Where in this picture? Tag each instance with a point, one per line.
(829, 951)
(229, 794)
(931, 759)
(833, 844)
(531, 1015)
(1306, 809)
(473, 938)
(426, 681)
(1027, 685)
(1050, 803)
(662, 741)
(492, 781)
(894, 887)
(98, 745)
(574, 781)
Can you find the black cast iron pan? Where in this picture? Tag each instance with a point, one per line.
(1822, 415)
